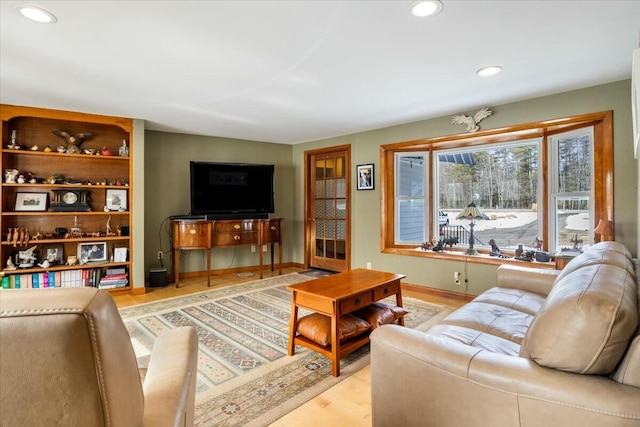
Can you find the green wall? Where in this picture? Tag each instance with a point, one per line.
(166, 187)
(166, 193)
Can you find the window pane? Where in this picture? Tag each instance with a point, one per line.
(411, 220)
(410, 178)
(502, 180)
(572, 222)
(574, 164)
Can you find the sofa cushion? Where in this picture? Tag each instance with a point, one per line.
(586, 322)
(379, 313)
(317, 328)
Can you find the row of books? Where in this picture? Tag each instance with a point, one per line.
(60, 279)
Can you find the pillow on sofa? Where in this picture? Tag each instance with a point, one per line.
(379, 313)
(586, 322)
(317, 328)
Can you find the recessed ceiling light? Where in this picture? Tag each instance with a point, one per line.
(489, 71)
(424, 8)
(37, 14)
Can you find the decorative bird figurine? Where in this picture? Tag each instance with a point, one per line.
(472, 122)
(105, 151)
(73, 142)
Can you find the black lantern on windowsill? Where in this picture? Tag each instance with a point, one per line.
(472, 213)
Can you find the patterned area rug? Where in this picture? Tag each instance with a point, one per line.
(245, 377)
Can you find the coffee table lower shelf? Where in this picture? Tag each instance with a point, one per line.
(335, 296)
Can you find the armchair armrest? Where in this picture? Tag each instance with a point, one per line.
(538, 280)
(170, 382)
(419, 378)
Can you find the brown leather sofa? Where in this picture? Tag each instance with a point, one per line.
(543, 348)
(66, 360)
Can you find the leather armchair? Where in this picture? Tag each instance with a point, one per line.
(66, 359)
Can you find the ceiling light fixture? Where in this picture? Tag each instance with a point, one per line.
(491, 70)
(37, 14)
(424, 8)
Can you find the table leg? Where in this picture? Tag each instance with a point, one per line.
(176, 267)
(335, 346)
(208, 267)
(399, 302)
(261, 259)
(293, 325)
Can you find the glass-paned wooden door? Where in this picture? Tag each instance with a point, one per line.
(328, 209)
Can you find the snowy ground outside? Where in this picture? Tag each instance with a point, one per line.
(514, 219)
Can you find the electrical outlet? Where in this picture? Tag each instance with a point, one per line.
(160, 254)
(253, 248)
(456, 277)
(368, 266)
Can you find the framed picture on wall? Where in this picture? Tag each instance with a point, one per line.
(364, 175)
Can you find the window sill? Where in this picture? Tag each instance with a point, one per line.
(460, 256)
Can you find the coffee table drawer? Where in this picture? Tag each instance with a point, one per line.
(385, 290)
(355, 302)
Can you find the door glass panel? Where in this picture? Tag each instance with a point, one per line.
(320, 169)
(319, 228)
(330, 188)
(329, 211)
(341, 252)
(341, 209)
(330, 168)
(320, 188)
(341, 187)
(330, 251)
(341, 230)
(319, 247)
(340, 162)
(331, 229)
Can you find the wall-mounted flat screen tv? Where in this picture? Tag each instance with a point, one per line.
(233, 189)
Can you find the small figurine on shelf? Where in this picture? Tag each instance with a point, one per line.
(123, 151)
(10, 264)
(10, 176)
(44, 264)
(47, 149)
(13, 145)
(105, 151)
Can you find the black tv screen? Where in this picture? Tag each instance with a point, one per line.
(231, 189)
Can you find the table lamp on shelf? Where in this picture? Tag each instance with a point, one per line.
(604, 230)
(472, 213)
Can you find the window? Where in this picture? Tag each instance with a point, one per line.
(545, 183)
(500, 178)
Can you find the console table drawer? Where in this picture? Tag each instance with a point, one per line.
(235, 226)
(189, 234)
(270, 231)
(385, 290)
(235, 239)
(356, 301)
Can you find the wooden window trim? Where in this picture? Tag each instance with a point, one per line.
(602, 123)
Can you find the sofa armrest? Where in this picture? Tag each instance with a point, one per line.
(419, 378)
(538, 280)
(170, 382)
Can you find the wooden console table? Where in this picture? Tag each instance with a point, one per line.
(224, 233)
(334, 296)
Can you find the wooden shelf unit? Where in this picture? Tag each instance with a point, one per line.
(95, 173)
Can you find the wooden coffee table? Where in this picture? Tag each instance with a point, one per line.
(334, 296)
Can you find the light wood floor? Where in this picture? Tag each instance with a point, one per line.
(348, 403)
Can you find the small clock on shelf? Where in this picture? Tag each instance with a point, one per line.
(70, 201)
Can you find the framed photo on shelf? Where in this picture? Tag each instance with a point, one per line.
(116, 200)
(365, 176)
(120, 254)
(54, 253)
(92, 251)
(31, 202)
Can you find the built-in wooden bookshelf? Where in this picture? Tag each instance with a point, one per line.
(61, 201)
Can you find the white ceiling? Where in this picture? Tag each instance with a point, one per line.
(295, 71)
